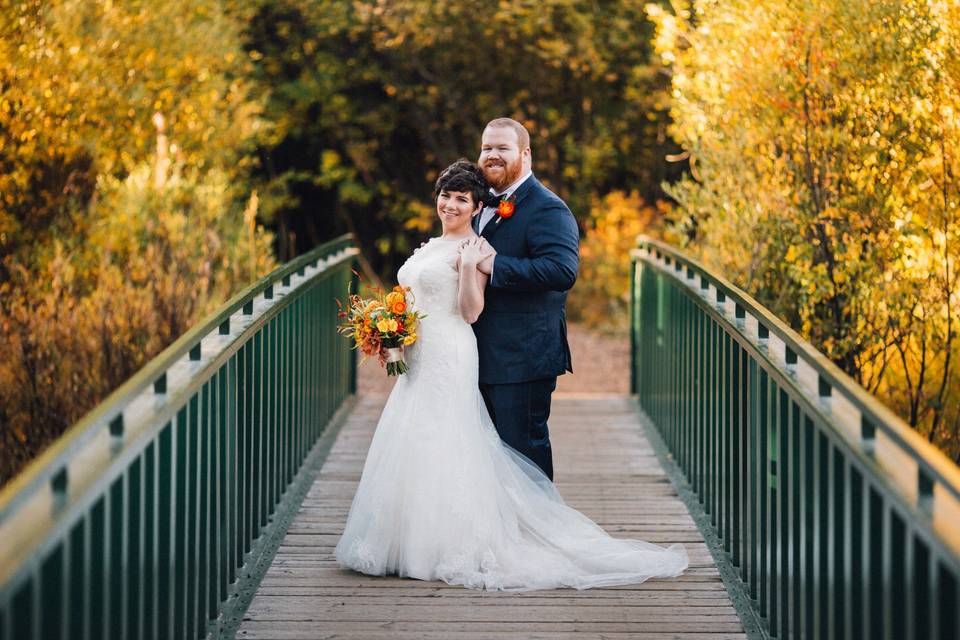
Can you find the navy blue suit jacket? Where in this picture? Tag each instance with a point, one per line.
(522, 331)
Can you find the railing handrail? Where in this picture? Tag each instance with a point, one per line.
(42, 470)
(937, 466)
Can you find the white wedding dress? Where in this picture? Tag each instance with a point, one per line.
(443, 498)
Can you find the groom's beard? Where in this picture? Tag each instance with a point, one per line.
(507, 177)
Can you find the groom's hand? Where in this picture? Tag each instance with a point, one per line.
(489, 254)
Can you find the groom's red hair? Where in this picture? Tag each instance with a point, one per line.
(523, 136)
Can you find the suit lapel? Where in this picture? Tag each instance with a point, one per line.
(496, 222)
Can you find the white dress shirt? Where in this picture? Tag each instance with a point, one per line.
(489, 212)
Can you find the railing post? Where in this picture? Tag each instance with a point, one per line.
(824, 391)
(868, 434)
(354, 287)
(60, 486)
(924, 492)
(634, 315)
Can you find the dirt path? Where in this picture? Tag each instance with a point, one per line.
(601, 364)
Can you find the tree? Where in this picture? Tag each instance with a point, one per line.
(372, 99)
(124, 127)
(823, 137)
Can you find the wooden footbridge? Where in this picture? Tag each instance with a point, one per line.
(205, 496)
(605, 467)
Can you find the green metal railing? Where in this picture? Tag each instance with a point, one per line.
(840, 520)
(139, 521)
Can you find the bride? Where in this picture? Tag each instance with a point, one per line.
(441, 497)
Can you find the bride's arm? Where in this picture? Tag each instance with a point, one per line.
(472, 282)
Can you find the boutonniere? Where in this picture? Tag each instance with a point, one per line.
(506, 208)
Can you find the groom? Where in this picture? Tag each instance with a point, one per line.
(534, 247)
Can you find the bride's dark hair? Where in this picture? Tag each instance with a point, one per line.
(465, 176)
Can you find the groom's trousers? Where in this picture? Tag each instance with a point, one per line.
(520, 411)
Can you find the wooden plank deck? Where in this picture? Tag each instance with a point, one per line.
(605, 467)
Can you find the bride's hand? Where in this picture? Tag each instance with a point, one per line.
(488, 254)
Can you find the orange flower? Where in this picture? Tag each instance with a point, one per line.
(399, 307)
(506, 209)
(371, 346)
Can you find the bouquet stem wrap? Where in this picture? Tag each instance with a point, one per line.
(394, 360)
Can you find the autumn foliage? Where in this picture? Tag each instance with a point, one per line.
(369, 100)
(142, 145)
(121, 222)
(823, 138)
(601, 297)
(155, 155)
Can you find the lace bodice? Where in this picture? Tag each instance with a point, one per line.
(431, 273)
(445, 353)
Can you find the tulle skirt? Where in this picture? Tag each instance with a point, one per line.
(441, 497)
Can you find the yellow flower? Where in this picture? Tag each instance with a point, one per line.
(383, 325)
(410, 339)
(392, 324)
(393, 299)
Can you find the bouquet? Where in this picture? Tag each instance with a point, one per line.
(381, 322)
